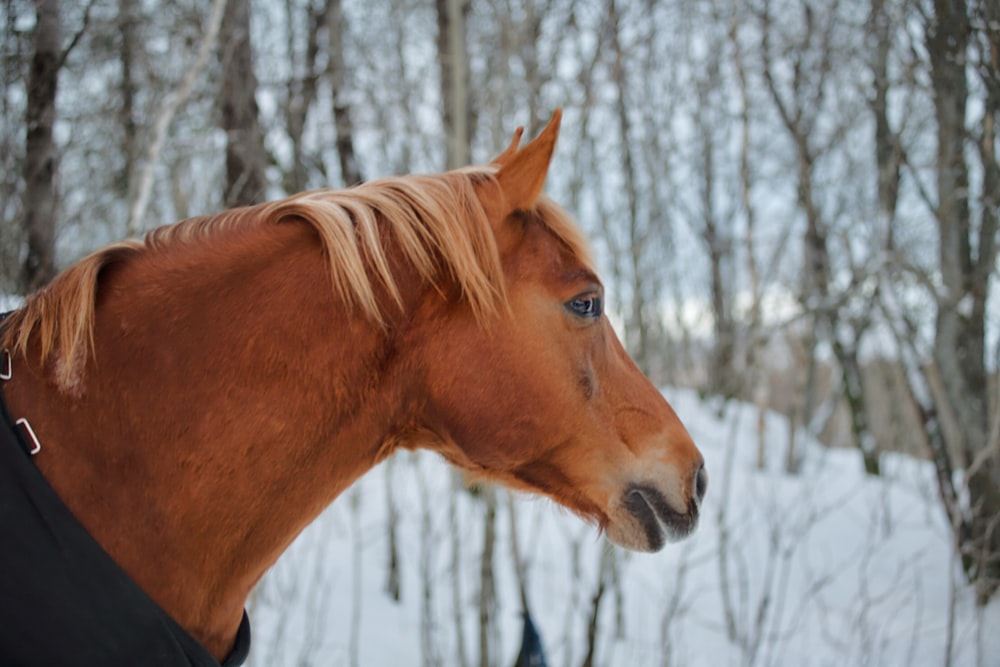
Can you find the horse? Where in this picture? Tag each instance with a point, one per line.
(195, 399)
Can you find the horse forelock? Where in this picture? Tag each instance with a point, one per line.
(437, 222)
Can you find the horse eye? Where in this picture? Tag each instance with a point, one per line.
(589, 306)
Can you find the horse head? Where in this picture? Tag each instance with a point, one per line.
(543, 396)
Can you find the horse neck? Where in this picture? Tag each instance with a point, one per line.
(225, 406)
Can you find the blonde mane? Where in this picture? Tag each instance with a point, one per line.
(438, 223)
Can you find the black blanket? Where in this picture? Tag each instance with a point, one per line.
(63, 601)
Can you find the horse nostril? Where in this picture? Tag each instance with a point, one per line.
(700, 483)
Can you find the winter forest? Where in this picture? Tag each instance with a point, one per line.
(795, 205)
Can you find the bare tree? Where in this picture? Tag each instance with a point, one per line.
(128, 49)
(713, 218)
(452, 16)
(888, 155)
(603, 576)
(301, 88)
(635, 221)
(636, 225)
(171, 104)
(12, 144)
(967, 257)
(801, 104)
(455, 548)
(39, 207)
(350, 171)
(487, 580)
(246, 157)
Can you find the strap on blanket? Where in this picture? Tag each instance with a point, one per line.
(30, 441)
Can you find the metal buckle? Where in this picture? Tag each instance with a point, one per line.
(35, 445)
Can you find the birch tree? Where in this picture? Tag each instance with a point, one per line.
(452, 17)
(301, 88)
(967, 249)
(12, 144)
(246, 157)
(173, 102)
(350, 170)
(40, 160)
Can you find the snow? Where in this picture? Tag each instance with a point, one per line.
(9, 303)
(824, 567)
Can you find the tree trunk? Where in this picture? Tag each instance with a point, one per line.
(487, 590)
(831, 319)
(888, 157)
(637, 233)
(852, 389)
(603, 573)
(457, 599)
(40, 159)
(714, 232)
(245, 154)
(300, 92)
(128, 23)
(350, 172)
(392, 577)
(965, 265)
(453, 59)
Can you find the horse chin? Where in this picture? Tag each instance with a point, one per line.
(642, 520)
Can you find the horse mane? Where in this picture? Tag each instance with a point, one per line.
(438, 222)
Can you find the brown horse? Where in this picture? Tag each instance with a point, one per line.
(198, 398)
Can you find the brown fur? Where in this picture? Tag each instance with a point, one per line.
(202, 396)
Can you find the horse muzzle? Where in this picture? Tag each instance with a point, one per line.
(647, 515)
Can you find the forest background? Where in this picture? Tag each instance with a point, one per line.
(795, 203)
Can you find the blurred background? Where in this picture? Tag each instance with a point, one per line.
(795, 207)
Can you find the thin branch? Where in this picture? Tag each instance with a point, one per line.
(175, 100)
(76, 37)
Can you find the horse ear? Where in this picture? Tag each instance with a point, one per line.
(511, 149)
(522, 173)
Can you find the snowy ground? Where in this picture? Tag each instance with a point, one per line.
(827, 567)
